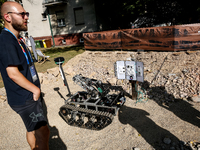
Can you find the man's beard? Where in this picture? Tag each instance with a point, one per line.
(18, 27)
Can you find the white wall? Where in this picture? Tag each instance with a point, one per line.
(36, 26)
(39, 28)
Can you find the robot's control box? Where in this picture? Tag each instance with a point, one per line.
(130, 70)
(120, 69)
(140, 71)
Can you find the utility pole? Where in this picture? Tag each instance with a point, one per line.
(50, 27)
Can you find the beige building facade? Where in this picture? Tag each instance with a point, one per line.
(62, 21)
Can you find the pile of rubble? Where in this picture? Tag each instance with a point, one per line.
(185, 85)
(167, 75)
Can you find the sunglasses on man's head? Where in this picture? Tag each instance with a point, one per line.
(22, 14)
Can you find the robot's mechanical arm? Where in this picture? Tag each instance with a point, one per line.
(92, 86)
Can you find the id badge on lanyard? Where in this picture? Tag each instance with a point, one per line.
(33, 73)
(31, 67)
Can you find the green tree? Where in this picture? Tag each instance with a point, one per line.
(121, 13)
(1, 20)
(2, 1)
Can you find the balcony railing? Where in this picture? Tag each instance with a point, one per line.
(53, 2)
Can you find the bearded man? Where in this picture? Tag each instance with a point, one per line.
(20, 77)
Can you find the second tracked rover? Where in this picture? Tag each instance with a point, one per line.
(95, 107)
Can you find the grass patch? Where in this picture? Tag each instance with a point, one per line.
(66, 52)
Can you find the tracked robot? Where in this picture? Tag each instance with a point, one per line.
(94, 108)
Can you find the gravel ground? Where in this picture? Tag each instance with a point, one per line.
(146, 126)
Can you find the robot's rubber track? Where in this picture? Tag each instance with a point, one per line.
(76, 116)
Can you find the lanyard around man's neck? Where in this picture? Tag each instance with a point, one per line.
(21, 46)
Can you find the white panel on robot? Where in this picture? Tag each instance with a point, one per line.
(130, 70)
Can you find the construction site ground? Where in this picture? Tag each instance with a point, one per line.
(146, 125)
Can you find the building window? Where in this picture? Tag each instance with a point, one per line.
(79, 16)
(60, 18)
(44, 16)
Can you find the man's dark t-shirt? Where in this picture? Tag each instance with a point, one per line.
(11, 54)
